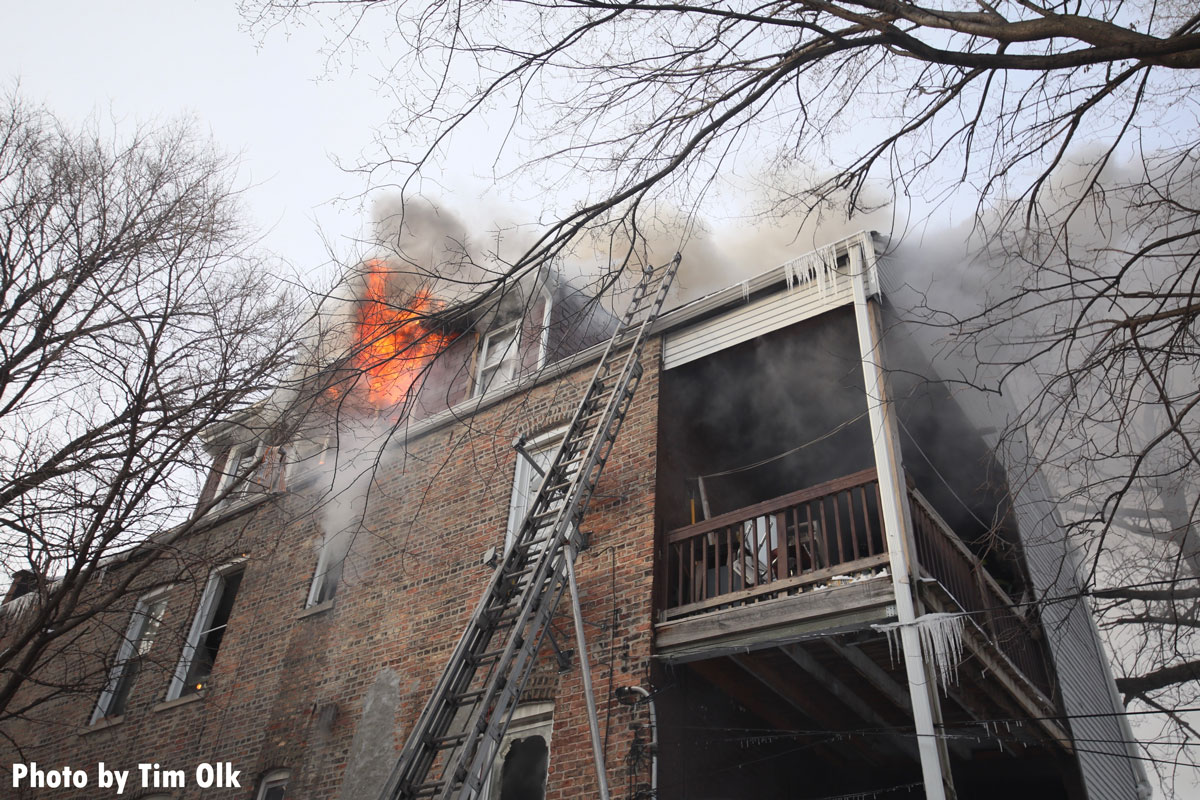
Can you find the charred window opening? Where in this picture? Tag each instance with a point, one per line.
(523, 758)
(251, 467)
(523, 774)
(208, 632)
(139, 638)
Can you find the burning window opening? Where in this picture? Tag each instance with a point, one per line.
(393, 344)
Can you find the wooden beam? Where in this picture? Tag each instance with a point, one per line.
(803, 659)
(766, 624)
(876, 675)
(727, 678)
(810, 706)
(886, 685)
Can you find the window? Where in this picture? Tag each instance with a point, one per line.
(208, 631)
(273, 785)
(498, 357)
(527, 481)
(238, 461)
(328, 573)
(139, 638)
(523, 758)
(307, 454)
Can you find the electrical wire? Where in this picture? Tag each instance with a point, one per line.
(838, 429)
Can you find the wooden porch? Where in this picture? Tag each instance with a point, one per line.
(773, 605)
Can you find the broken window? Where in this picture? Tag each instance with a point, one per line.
(207, 633)
(308, 454)
(523, 759)
(273, 785)
(498, 356)
(237, 463)
(139, 638)
(328, 573)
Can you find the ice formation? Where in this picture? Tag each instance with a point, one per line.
(941, 642)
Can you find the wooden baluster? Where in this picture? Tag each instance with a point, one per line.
(795, 511)
(781, 547)
(813, 558)
(837, 526)
(867, 524)
(825, 533)
(853, 528)
(729, 559)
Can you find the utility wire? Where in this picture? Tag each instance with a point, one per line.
(798, 448)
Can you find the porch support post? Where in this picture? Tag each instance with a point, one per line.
(897, 521)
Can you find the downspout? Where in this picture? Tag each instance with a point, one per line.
(935, 763)
(649, 698)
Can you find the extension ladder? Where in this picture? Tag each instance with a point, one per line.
(449, 752)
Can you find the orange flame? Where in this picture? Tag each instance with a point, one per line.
(392, 346)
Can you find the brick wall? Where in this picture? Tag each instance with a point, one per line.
(291, 686)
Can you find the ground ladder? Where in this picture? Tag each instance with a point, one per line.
(450, 751)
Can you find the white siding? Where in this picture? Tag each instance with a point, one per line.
(785, 307)
(1079, 659)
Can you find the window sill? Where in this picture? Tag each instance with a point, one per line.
(319, 608)
(103, 724)
(167, 705)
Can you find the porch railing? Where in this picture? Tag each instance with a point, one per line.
(833, 533)
(775, 547)
(946, 558)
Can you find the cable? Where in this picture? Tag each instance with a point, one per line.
(797, 449)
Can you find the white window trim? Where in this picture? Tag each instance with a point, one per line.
(524, 475)
(231, 472)
(124, 652)
(200, 622)
(526, 719)
(273, 779)
(484, 383)
(319, 576)
(544, 337)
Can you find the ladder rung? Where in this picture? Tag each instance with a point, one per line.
(444, 742)
(491, 655)
(465, 697)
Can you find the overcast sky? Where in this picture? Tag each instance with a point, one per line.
(141, 60)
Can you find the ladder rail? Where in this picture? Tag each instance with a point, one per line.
(530, 579)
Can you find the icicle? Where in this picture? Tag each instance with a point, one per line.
(745, 291)
(941, 642)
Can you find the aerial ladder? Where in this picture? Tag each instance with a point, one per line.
(450, 751)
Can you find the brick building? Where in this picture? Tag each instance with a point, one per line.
(740, 594)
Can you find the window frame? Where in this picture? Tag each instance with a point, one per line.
(235, 461)
(486, 374)
(201, 624)
(138, 620)
(524, 475)
(274, 779)
(316, 591)
(528, 718)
